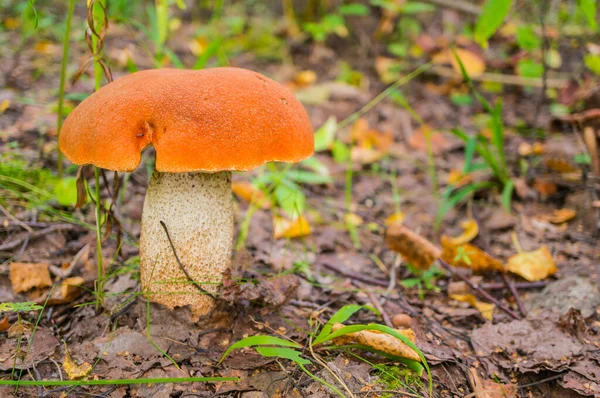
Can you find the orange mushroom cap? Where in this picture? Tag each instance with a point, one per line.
(207, 120)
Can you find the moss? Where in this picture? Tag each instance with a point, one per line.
(397, 378)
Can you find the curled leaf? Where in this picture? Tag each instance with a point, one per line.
(250, 193)
(74, 371)
(469, 256)
(379, 341)
(470, 231)
(417, 250)
(559, 216)
(396, 218)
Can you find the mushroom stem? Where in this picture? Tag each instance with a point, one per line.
(197, 211)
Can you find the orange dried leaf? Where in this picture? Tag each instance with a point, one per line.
(469, 256)
(439, 142)
(417, 250)
(70, 289)
(74, 371)
(486, 309)
(4, 324)
(285, 228)
(533, 266)
(560, 165)
(26, 276)
(380, 341)
(545, 187)
(473, 63)
(248, 192)
(559, 216)
(470, 231)
(459, 179)
(396, 218)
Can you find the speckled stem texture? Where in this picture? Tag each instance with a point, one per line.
(197, 211)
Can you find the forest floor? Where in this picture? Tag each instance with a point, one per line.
(546, 345)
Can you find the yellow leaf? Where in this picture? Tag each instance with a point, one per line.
(417, 250)
(284, 228)
(305, 78)
(26, 276)
(559, 216)
(387, 69)
(469, 256)
(4, 105)
(470, 231)
(486, 309)
(379, 341)
(459, 179)
(74, 371)
(472, 62)
(533, 266)
(396, 218)
(353, 219)
(69, 290)
(250, 193)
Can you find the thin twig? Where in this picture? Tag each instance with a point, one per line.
(37, 234)
(459, 5)
(375, 301)
(15, 220)
(353, 275)
(478, 290)
(515, 294)
(192, 281)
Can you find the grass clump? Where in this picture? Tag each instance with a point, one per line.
(397, 378)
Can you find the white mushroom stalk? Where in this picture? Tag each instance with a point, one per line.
(197, 210)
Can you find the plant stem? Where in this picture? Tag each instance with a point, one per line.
(63, 78)
(99, 282)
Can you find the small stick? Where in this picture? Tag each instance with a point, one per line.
(37, 234)
(379, 307)
(192, 281)
(515, 294)
(15, 220)
(477, 289)
(353, 275)
(517, 285)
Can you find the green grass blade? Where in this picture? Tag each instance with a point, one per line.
(340, 317)
(507, 193)
(491, 18)
(283, 352)
(259, 341)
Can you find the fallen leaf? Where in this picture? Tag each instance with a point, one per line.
(396, 218)
(285, 228)
(69, 290)
(379, 341)
(74, 371)
(526, 149)
(371, 145)
(459, 179)
(305, 78)
(486, 309)
(26, 276)
(250, 193)
(559, 216)
(469, 256)
(417, 250)
(388, 69)
(4, 324)
(473, 63)
(439, 142)
(470, 231)
(533, 266)
(353, 219)
(4, 105)
(560, 165)
(544, 187)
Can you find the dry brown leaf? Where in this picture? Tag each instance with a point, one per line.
(470, 231)
(417, 250)
(69, 290)
(396, 218)
(559, 216)
(533, 266)
(380, 341)
(486, 309)
(469, 256)
(439, 142)
(473, 63)
(285, 228)
(4, 324)
(560, 165)
(26, 276)
(544, 187)
(371, 145)
(250, 193)
(74, 371)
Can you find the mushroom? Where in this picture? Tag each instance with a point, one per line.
(203, 125)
